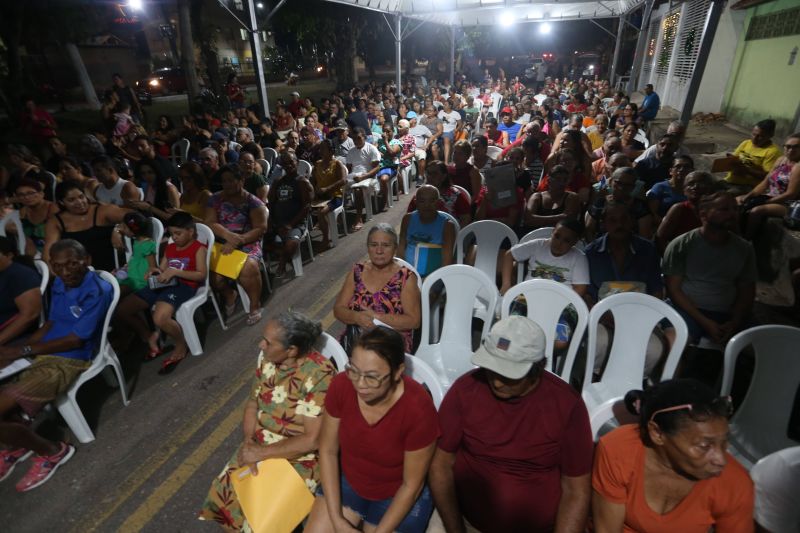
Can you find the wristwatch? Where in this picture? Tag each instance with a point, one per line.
(26, 350)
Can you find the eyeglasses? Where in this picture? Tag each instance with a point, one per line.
(723, 402)
(373, 382)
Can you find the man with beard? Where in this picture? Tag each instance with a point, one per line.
(711, 272)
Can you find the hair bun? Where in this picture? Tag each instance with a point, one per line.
(633, 402)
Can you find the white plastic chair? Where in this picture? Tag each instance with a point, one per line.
(489, 236)
(265, 167)
(13, 218)
(540, 233)
(641, 136)
(334, 216)
(759, 426)
(66, 403)
(304, 168)
(270, 154)
(179, 151)
(330, 348)
(465, 191)
(545, 301)
(297, 258)
(422, 373)
(156, 234)
(44, 272)
(185, 313)
(403, 262)
(450, 355)
(635, 316)
(494, 152)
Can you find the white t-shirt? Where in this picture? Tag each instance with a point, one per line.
(572, 268)
(777, 485)
(450, 120)
(362, 158)
(421, 134)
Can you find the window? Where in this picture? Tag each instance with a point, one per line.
(652, 40)
(778, 24)
(669, 28)
(691, 34)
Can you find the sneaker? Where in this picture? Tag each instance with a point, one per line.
(10, 458)
(44, 466)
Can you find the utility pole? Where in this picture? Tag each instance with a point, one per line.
(258, 63)
(188, 62)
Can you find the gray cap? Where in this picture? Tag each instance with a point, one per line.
(511, 348)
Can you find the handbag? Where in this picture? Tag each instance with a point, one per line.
(230, 265)
(349, 337)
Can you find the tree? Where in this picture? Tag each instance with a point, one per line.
(203, 33)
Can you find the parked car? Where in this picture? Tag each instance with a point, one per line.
(161, 82)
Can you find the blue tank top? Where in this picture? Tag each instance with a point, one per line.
(424, 243)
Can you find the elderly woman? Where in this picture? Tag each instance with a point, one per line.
(282, 417)
(239, 221)
(671, 471)
(380, 291)
(20, 299)
(34, 213)
(378, 437)
(92, 225)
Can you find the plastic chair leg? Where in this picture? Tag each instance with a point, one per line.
(213, 296)
(186, 320)
(297, 263)
(333, 228)
(123, 386)
(72, 415)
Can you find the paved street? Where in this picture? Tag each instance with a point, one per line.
(152, 462)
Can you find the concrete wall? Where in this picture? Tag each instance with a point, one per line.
(762, 84)
(722, 55)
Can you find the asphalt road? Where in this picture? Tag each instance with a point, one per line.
(152, 462)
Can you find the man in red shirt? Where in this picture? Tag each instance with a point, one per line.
(295, 105)
(37, 122)
(515, 454)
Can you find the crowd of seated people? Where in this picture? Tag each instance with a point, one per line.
(625, 217)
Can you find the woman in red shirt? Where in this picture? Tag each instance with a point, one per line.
(385, 426)
(671, 471)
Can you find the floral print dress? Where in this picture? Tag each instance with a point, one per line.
(236, 219)
(387, 300)
(282, 395)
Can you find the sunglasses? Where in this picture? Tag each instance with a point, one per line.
(722, 403)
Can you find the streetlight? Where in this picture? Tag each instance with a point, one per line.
(506, 19)
(135, 5)
(260, 5)
(545, 28)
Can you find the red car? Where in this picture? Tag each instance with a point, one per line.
(161, 82)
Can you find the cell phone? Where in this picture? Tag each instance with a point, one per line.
(153, 283)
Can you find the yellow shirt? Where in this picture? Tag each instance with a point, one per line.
(196, 209)
(761, 157)
(596, 139)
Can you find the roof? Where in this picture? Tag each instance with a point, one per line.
(493, 12)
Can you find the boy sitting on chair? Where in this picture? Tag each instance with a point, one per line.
(64, 347)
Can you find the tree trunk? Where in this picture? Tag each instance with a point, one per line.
(345, 59)
(208, 51)
(188, 62)
(83, 76)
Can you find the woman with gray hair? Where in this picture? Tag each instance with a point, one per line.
(282, 419)
(380, 291)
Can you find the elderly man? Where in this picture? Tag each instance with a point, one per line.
(342, 143)
(436, 127)
(711, 272)
(289, 202)
(515, 453)
(61, 349)
(656, 169)
(427, 235)
(209, 162)
(611, 146)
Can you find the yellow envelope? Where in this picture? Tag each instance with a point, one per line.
(230, 265)
(274, 501)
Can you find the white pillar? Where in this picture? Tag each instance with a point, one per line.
(615, 63)
(258, 64)
(83, 76)
(452, 55)
(398, 51)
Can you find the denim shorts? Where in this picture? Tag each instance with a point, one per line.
(371, 511)
(175, 295)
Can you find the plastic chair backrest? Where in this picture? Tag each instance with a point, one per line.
(44, 272)
(465, 191)
(450, 356)
(304, 168)
(494, 152)
(265, 167)
(13, 218)
(411, 267)
(422, 373)
(489, 236)
(179, 150)
(635, 316)
(539, 233)
(110, 312)
(156, 234)
(452, 219)
(330, 348)
(545, 301)
(270, 154)
(206, 236)
(759, 426)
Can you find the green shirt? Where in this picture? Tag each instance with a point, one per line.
(137, 265)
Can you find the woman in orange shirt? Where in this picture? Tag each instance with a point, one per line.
(672, 473)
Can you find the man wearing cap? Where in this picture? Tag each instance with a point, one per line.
(342, 143)
(295, 105)
(508, 125)
(423, 138)
(515, 454)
